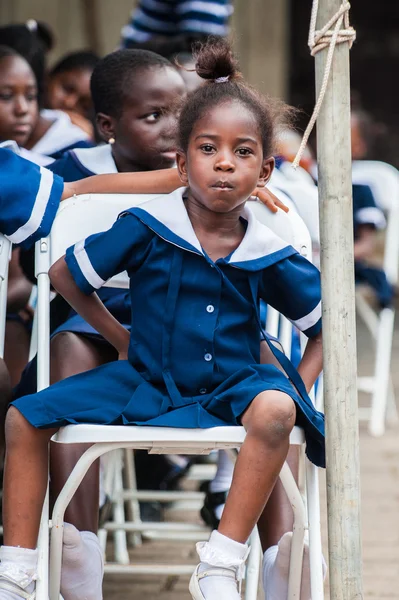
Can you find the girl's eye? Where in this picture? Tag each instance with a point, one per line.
(31, 97)
(207, 148)
(5, 97)
(153, 117)
(244, 151)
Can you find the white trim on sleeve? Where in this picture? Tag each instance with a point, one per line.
(86, 267)
(309, 320)
(38, 211)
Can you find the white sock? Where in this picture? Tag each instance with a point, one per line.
(82, 565)
(221, 552)
(222, 479)
(276, 568)
(18, 566)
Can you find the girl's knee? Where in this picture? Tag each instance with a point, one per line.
(20, 431)
(272, 416)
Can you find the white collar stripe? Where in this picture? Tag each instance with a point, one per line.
(39, 208)
(309, 320)
(98, 160)
(85, 265)
(168, 216)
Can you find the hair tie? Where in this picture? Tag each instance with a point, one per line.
(222, 79)
(31, 24)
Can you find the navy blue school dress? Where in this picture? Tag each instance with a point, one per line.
(193, 357)
(366, 212)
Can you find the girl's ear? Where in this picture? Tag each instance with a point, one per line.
(105, 126)
(265, 172)
(181, 161)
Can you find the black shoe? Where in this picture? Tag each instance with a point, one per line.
(212, 501)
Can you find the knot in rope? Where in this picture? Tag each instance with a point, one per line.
(328, 37)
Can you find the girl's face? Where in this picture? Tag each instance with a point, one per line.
(70, 90)
(145, 134)
(224, 161)
(18, 100)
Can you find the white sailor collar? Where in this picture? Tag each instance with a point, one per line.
(61, 134)
(98, 160)
(167, 217)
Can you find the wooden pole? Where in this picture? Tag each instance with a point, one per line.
(339, 327)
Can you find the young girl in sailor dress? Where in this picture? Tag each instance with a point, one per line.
(198, 265)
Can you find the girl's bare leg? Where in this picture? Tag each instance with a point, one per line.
(268, 421)
(72, 354)
(25, 479)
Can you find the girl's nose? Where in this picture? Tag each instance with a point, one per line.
(21, 105)
(224, 163)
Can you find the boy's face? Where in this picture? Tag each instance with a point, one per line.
(224, 161)
(18, 100)
(145, 135)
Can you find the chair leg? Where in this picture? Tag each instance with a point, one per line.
(315, 548)
(253, 567)
(64, 498)
(298, 538)
(132, 506)
(118, 509)
(43, 553)
(382, 370)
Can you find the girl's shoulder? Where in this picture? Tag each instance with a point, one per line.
(61, 136)
(80, 163)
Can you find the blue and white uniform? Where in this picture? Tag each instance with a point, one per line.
(366, 212)
(61, 136)
(29, 199)
(80, 163)
(194, 346)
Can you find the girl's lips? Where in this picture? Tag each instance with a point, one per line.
(222, 185)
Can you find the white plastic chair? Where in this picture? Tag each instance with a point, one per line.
(383, 179)
(77, 218)
(5, 250)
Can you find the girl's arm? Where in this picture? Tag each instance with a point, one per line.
(163, 181)
(89, 307)
(311, 364)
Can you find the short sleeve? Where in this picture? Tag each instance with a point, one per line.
(292, 286)
(365, 210)
(29, 198)
(101, 256)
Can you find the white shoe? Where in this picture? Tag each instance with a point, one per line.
(194, 586)
(8, 585)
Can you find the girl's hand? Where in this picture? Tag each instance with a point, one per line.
(269, 200)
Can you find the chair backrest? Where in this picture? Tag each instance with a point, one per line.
(5, 250)
(382, 178)
(81, 216)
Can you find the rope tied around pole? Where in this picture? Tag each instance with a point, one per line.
(320, 40)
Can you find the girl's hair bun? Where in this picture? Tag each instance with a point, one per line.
(215, 59)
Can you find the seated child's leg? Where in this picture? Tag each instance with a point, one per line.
(25, 483)
(5, 399)
(82, 563)
(268, 421)
(220, 485)
(16, 349)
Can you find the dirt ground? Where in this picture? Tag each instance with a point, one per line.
(380, 519)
